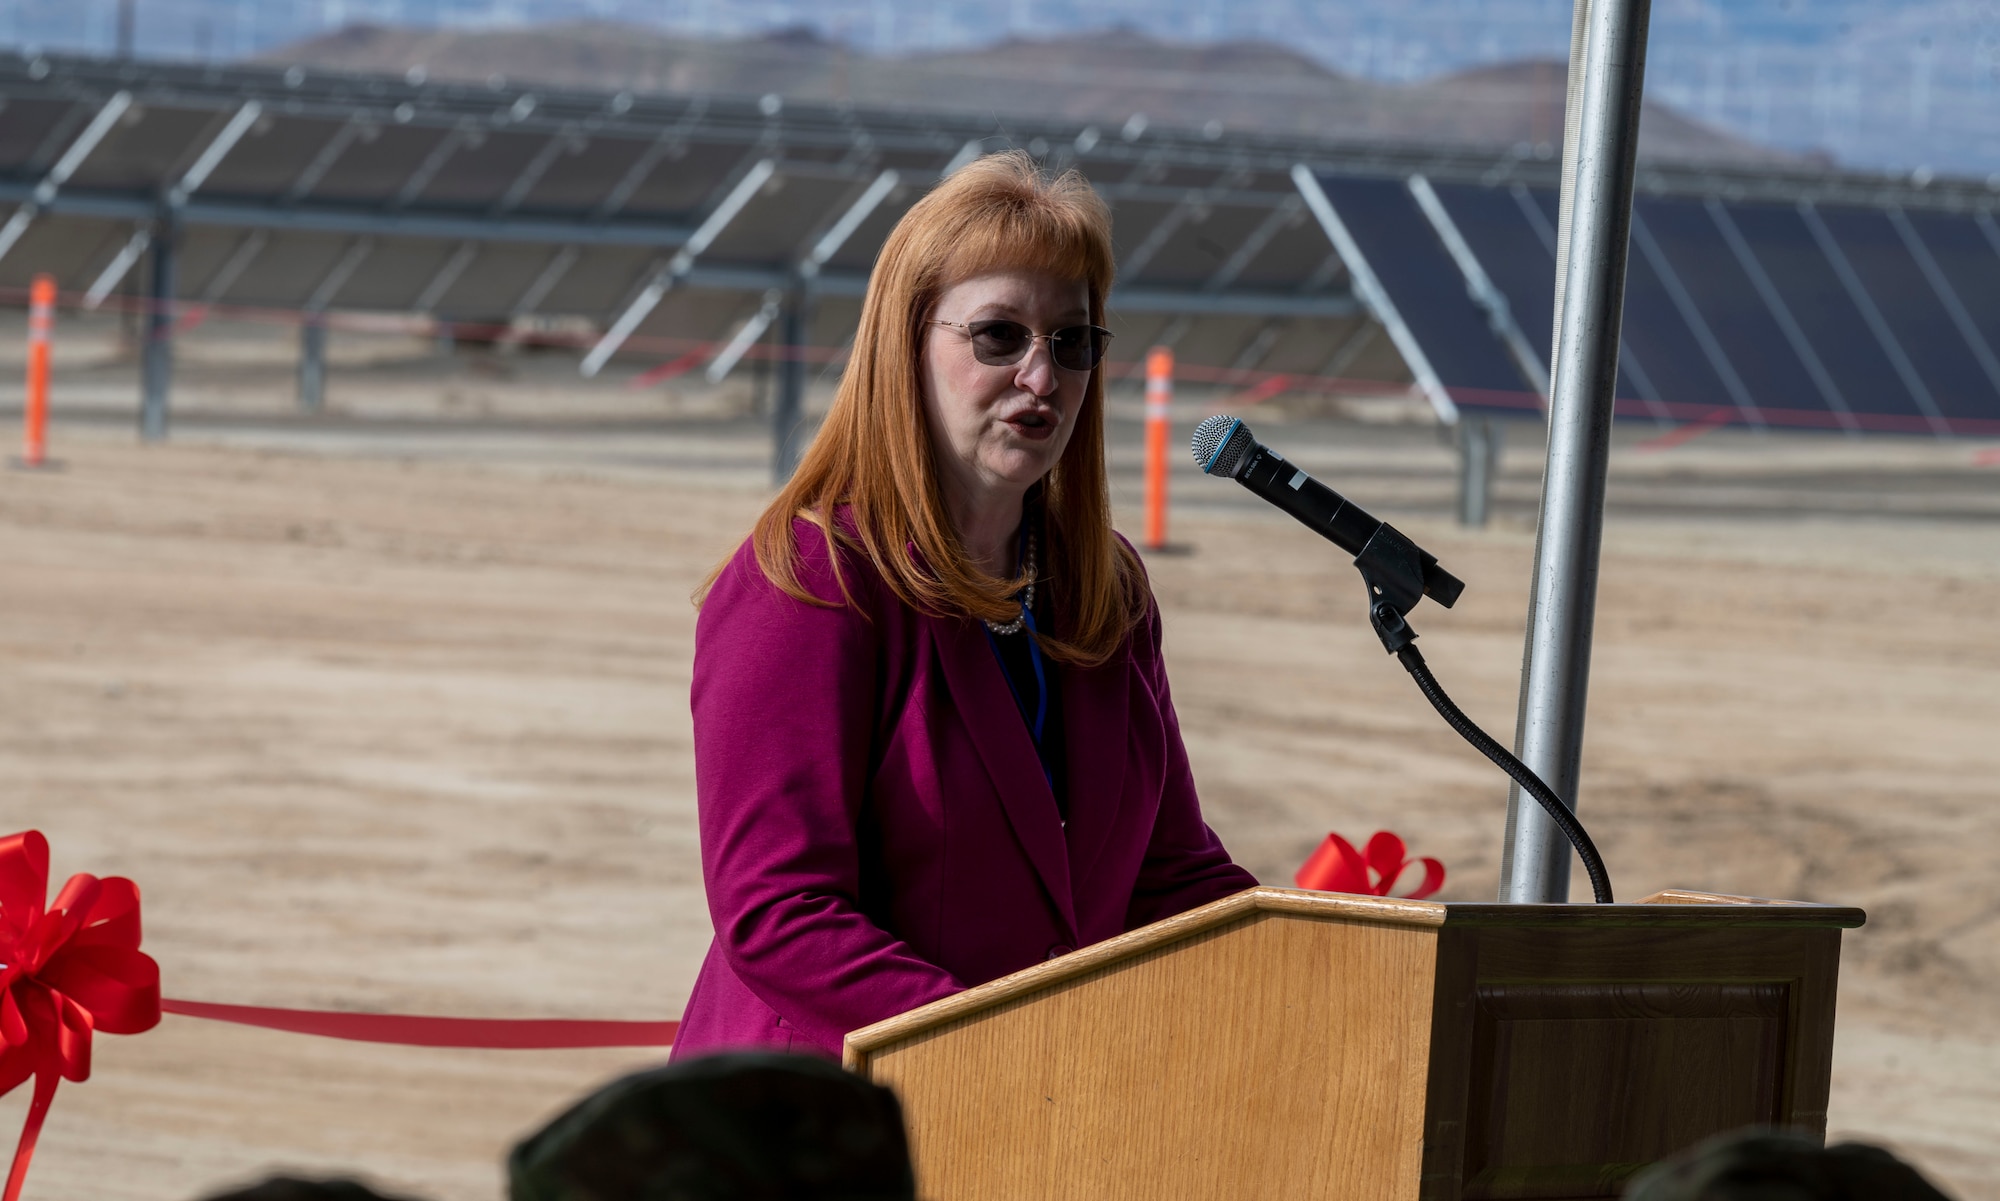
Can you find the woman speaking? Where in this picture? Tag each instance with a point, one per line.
(933, 737)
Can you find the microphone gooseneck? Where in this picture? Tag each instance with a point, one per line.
(1398, 574)
(1564, 818)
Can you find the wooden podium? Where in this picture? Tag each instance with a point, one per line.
(1283, 1045)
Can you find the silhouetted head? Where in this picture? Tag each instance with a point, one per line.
(1779, 1166)
(745, 1127)
(294, 1188)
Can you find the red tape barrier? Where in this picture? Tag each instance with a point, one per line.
(680, 354)
(407, 1030)
(1254, 386)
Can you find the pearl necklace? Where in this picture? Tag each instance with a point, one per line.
(1027, 602)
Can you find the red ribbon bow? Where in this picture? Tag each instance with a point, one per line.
(66, 970)
(1337, 867)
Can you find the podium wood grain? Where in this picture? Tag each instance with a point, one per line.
(1284, 1044)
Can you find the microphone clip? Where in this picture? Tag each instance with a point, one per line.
(1392, 568)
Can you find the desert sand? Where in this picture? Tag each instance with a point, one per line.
(399, 723)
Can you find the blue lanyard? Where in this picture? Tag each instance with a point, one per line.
(1041, 685)
(1041, 689)
(1041, 677)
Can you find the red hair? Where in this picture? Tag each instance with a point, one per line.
(873, 453)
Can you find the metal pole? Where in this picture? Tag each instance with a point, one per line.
(157, 364)
(760, 375)
(1555, 672)
(312, 363)
(786, 413)
(1478, 463)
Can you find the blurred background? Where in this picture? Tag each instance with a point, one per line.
(1894, 85)
(413, 361)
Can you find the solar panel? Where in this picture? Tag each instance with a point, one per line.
(1915, 325)
(1509, 231)
(1204, 243)
(1748, 349)
(28, 123)
(77, 249)
(1514, 257)
(1864, 381)
(1297, 241)
(1739, 310)
(1918, 320)
(395, 270)
(1661, 364)
(1428, 291)
(284, 273)
(1966, 248)
(1823, 301)
(597, 272)
(687, 183)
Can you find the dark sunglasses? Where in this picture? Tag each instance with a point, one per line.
(1005, 343)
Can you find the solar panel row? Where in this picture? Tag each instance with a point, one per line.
(313, 191)
(1839, 301)
(1801, 315)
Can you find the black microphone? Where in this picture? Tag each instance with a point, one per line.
(1398, 574)
(1224, 446)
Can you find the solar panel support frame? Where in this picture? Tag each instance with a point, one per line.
(535, 168)
(232, 268)
(1259, 345)
(218, 148)
(683, 261)
(1479, 444)
(351, 257)
(1774, 300)
(1369, 290)
(446, 275)
(1349, 349)
(745, 337)
(114, 272)
(72, 158)
(1649, 394)
(843, 228)
(1871, 314)
(312, 364)
(1697, 324)
(1156, 238)
(79, 150)
(1984, 220)
(1253, 244)
(553, 269)
(788, 412)
(1479, 285)
(1947, 295)
(157, 362)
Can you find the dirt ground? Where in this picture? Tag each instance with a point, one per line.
(382, 728)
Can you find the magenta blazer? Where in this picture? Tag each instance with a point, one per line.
(876, 831)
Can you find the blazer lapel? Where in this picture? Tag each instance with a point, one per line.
(1096, 717)
(979, 688)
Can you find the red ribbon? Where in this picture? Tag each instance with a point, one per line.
(1337, 867)
(66, 970)
(409, 1030)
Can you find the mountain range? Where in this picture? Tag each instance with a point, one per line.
(1104, 76)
